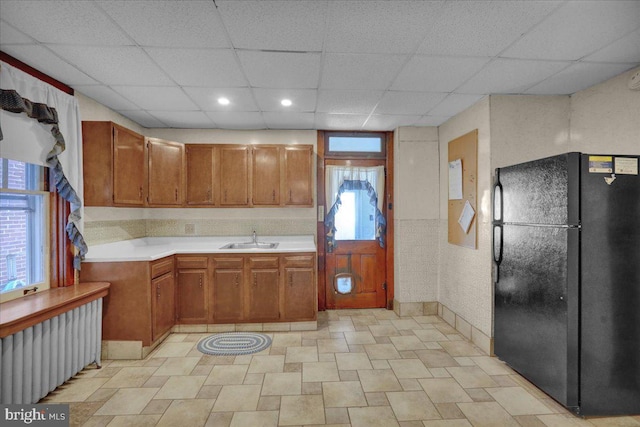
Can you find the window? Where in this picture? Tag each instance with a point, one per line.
(355, 219)
(362, 145)
(24, 236)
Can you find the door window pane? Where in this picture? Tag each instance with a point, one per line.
(352, 144)
(355, 219)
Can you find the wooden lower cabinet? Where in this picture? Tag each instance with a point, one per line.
(141, 301)
(146, 299)
(299, 291)
(226, 304)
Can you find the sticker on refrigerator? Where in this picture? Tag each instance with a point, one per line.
(600, 164)
(626, 165)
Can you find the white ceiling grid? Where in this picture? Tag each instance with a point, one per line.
(369, 65)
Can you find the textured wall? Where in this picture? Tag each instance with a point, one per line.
(416, 191)
(605, 118)
(465, 284)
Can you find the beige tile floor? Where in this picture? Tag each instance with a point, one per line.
(361, 368)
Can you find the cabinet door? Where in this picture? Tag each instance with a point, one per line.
(263, 295)
(234, 175)
(192, 296)
(300, 297)
(200, 173)
(298, 162)
(128, 167)
(266, 175)
(163, 307)
(165, 172)
(226, 303)
(97, 163)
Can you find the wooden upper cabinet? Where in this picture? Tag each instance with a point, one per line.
(266, 175)
(298, 182)
(234, 175)
(166, 165)
(200, 174)
(113, 165)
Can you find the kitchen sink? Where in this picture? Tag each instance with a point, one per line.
(250, 245)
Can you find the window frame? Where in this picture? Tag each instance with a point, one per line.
(43, 183)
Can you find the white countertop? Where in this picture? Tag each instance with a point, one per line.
(152, 248)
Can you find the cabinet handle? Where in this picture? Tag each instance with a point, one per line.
(290, 279)
(209, 195)
(140, 193)
(237, 279)
(201, 280)
(290, 196)
(158, 291)
(273, 196)
(176, 194)
(255, 279)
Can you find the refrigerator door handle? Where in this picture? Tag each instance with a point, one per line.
(496, 248)
(498, 204)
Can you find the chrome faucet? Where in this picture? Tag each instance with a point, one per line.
(255, 237)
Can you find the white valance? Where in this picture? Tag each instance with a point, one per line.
(336, 175)
(27, 140)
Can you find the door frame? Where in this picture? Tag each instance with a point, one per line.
(321, 199)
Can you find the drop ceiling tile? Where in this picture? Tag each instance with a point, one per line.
(157, 98)
(142, 118)
(398, 103)
(106, 96)
(276, 120)
(303, 100)
(274, 25)
(72, 22)
(577, 29)
(169, 23)
(453, 104)
(432, 120)
(577, 77)
(238, 120)
(347, 122)
(240, 99)
(389, 121)
(114, 65)
(184, 119)
(41, 58)
(437, 73)
(379, 26)
(199, 67)
(10, 35)
(281, 69)
(482, 28)
(626, 49)
(347, 101)
(510, 76)
(360, 71)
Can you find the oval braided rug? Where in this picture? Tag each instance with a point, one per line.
(234, 343)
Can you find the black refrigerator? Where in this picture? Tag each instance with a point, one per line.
(566, 249)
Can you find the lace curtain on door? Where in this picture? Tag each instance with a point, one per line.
(339, 179)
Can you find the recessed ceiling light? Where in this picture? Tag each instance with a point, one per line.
(286, 102)
(223, 101)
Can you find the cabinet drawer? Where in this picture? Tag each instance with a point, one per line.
(160, 267)
(307, 260)
(192, 262)
(263, 262)
(228, 262)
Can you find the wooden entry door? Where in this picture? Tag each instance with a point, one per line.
(357, 257)
(365, 262)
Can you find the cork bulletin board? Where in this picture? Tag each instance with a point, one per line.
(463, 189)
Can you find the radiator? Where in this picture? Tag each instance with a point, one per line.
(36, 360)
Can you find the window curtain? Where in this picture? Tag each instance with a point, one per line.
(26, 104)
(339, 179)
